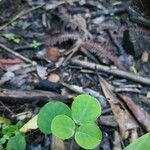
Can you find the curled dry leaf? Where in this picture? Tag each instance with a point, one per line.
(53, 53)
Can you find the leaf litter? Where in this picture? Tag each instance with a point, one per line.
(55, 50)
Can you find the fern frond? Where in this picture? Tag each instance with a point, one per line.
(60, 38)
(102, 51)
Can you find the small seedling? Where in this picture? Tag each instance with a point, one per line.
(12, 37)
(11, 137)
(79, 122)
(35, 44)
(17, 142)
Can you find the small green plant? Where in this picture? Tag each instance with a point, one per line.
(12, 37)
(11, 137)
(17, 142)
(79, 122)
(35, 44)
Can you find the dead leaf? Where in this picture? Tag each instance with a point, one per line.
(116, 142)
(134, 136)
(30, 125)
(125, 121)
(57, 144)
(140, 114)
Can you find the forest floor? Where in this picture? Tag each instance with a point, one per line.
(55, 50)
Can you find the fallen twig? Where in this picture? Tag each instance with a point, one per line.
(81, 90)
(17, 96)
(15, 53)
(132, 90)
(73, 51)
(113, 71)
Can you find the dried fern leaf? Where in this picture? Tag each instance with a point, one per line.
(102, 51)
(60, 38)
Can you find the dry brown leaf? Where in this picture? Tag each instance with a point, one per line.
(125, 121)
(140, 114)
(116, 142)
(134, 136)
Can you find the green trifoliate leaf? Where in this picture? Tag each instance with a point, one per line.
(49, 112)
(88, 136)
(63, 127)
(85, 109)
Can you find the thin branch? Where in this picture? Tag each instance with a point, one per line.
(15, 53)
(21, 97)
(110, 70)
(75, 48)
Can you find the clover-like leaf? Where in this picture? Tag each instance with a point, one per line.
(85, 109)
(63, 127)
(88, 136)
(16, 142)
(49, 112)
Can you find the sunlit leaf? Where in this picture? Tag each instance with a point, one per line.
(88, 136)
(63, 127)
(49, 112)
(85, 109)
